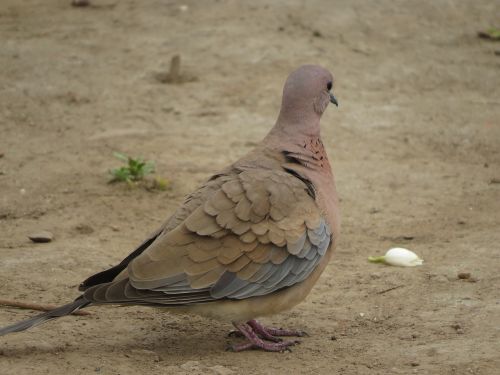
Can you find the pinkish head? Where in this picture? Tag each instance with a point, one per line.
(308, 89)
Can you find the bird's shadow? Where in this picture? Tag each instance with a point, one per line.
(179, 340)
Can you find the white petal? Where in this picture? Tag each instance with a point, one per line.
(402, 257)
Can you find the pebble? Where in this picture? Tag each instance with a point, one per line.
(41, 236)
(458, 328)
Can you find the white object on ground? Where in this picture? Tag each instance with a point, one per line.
(398, 256)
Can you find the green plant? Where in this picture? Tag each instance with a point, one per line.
(491, 34)
(134, 171)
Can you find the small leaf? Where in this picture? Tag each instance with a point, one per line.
(135, 170)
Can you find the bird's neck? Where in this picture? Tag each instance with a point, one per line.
(297, 122)
(300, 145)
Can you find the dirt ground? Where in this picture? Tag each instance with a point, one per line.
(415, 146)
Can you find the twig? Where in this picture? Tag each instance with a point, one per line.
(175, 68)
(388, 290)
(36, 306)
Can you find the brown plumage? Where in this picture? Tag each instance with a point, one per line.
(252, 241)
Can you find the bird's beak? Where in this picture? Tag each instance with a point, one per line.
(333, 99)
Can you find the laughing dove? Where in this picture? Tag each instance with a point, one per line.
(251, 241)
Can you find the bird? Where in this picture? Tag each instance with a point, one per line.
(251, 241)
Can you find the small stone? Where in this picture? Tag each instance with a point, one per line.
(464, 275)
(41, 236)
(458, 328)
(333, 338)
(414, 364)
(317, 34)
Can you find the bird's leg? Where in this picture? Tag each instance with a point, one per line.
(262, 331)
(256, 342)
(267, 333)
(273, 332)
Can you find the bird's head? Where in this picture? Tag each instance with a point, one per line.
(308, 91)
(309, 88)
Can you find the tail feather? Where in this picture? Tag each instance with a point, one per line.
(49, 315)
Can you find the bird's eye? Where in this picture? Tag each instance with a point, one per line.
(329, 85)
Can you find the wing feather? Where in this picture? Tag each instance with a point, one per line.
(253, 232)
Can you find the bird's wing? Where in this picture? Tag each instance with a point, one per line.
(191, 202)
(258, 232)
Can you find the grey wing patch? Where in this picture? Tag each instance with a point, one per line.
(177, 291)
(271, 277)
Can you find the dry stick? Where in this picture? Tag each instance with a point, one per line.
(388, 290)
(175, 68)
(36, 306)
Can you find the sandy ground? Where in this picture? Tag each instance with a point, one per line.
(415, 146)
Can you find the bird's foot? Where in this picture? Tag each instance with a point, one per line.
(260, 337)
(275, 331)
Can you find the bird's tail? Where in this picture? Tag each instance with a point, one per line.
(49, 315)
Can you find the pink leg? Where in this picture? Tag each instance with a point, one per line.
(254, 341)
(272, 332)
(262, 331)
